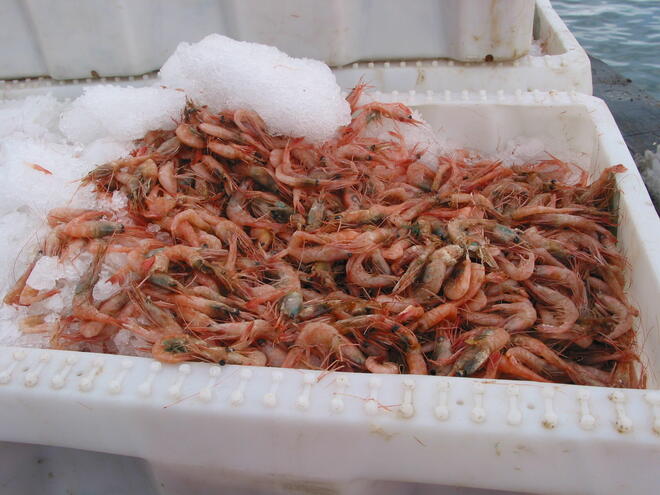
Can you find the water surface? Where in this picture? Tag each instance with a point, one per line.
(624, 34)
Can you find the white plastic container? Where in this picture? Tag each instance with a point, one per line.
(71, 39)
(563, 66)
(290, 431)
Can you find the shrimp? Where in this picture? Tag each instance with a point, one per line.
(58, 216)
(413, 269)
(482, 345)
(436, 315)
(261, 175)
(189, 255)
(299, 249)
(190, 136)
(564, 277)
(175, 348)
(458, 284)
(375, 214)
(571, 221)
(92, 229)
(440, 262)
(602, 186)
(275, 354)
(522, 315)
(325, 338)
(82, 307)
(214, 309)
(396, 250)
(356, 274)
(289, 284)
(419, 175)
(189, 218)
(521, 363)
(236, 213)
(245, 331)
(562, 305)
(376, 110)
(523, 271)
(38, 324)
(14, 294)
(412, 349)
(90, 329)
(373, 366)
(621, 314)
(365, 241)
(581, 375)
(167, 178)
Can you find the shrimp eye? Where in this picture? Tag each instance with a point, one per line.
(222, 362)
(432, 372)
(410, 117)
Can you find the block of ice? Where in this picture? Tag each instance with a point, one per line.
(45, 273)
(295, 97)
(121, 113)
(34, 116)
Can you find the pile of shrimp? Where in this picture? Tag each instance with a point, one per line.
(244, 247)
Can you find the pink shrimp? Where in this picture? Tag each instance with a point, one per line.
(564, 277)
(620, 312)
(309, 248)
(459, 282)
(374, 366)
(412, 349)
(562, 305)
(167, 178)
(319, 336)
(356, 274)
(190, 136)
(486, 341)
(523, 271)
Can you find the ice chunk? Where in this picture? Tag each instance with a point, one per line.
(35, 116)
(37, 174)
(9, 331)
(119, 200)
(45, 273)
(420, 137)
(104, 289)
(19, 230)
(121, 113)
(522, 150)
(295, 97)
(105, 150)
(129, 344)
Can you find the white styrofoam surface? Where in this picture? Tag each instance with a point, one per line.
(310, 432)
(69, 39)
(564, 66)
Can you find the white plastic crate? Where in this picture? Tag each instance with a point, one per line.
(70, 39)
(563, 66)
(291, 431)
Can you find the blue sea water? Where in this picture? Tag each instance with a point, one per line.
(623, 33)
